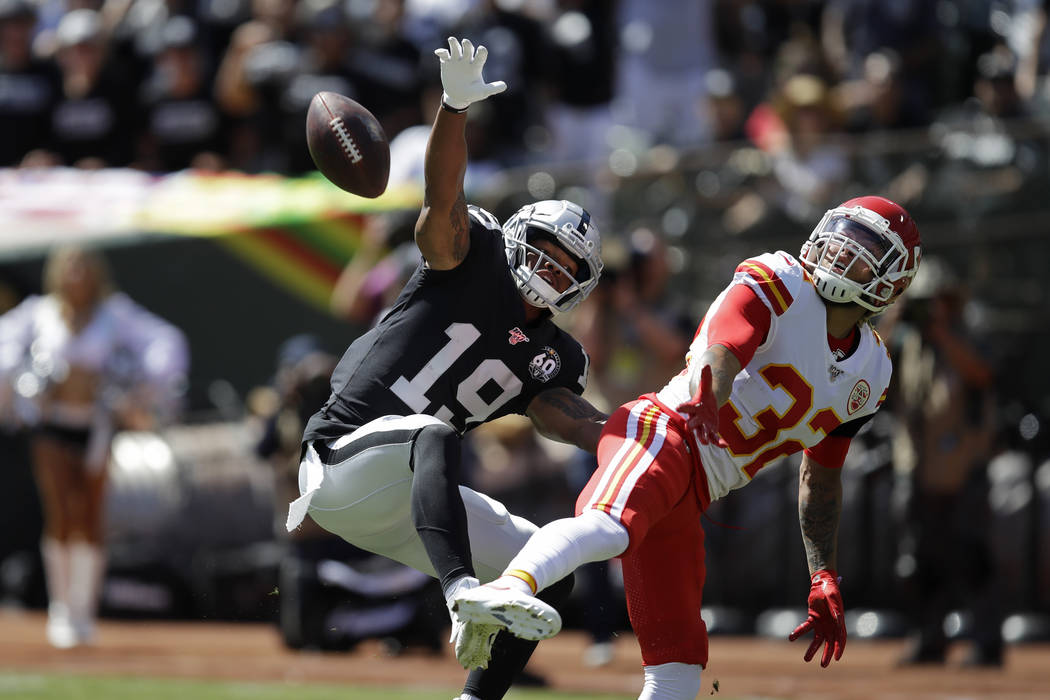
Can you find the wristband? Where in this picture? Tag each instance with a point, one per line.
(449, 108)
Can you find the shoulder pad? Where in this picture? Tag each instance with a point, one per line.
(776, 277)
(483, 217)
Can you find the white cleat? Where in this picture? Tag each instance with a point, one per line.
(85, 632)
(522, 615)
(472, 642)
(60, 631)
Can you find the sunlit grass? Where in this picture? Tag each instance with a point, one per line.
(29, 686)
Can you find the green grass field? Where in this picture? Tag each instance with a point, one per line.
(28, 686)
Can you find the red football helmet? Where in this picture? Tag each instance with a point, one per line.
(866, 250)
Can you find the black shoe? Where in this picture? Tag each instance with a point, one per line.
(922, 655)
(983, 658)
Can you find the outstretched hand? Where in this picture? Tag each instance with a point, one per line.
(461, 66)
(702, 411)
(826, 618)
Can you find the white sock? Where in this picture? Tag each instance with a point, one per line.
(672, 681)
(467, 696)
(556, 549)
(56, 572)
(513, 582)
(86, 566)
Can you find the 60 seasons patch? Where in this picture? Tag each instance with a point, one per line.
(546, 365)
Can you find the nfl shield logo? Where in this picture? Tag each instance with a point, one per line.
(858, 397)
(516, 336)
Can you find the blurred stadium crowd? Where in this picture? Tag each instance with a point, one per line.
(699, 133)
(165, 85)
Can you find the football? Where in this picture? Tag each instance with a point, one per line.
(348, 144)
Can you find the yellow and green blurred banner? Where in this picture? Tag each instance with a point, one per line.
(298, 232)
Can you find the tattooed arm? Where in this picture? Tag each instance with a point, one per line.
(561, 415)
(819, 508)
(724, 368)
(442, 230)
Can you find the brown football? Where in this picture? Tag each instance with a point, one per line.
(347, 144)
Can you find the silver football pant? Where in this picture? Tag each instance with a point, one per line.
(365, 498)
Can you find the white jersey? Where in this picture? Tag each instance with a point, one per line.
(794, 391)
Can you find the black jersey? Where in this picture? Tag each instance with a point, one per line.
(456, 346)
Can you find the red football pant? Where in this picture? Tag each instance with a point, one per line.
(647, 477)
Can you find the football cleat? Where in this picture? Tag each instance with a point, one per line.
(472, 642)
(522, 615)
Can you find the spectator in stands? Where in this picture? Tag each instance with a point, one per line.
(995, 86)
(267, 79)
(304, 368)
(77, 364)
(632, 330)
(666, 49)
(182, 127)
(1032, 46)
(854, 29)
(139, 26)
(984, 150)
(31, 84)
(808, 167)
(583, 37)
(726, 106)
(269, 75)
(878, 100)
(92, 120)
(750, 36)
(385, 258)
(386, 67)
(792, 125)
(303, 371)
(945, 401)
(504, 131)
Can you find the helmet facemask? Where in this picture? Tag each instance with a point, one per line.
(567, 226)
(855, 256)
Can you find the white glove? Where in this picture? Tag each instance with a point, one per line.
(461, 74)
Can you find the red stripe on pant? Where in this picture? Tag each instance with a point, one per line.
(664, 562)
(642, 432)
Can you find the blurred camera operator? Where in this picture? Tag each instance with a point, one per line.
(946, 406)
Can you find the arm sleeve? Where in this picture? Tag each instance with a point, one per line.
(741, 323)
(831, 451)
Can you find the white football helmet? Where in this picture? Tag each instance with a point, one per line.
(570, 227)
(871, 232)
